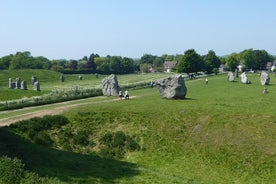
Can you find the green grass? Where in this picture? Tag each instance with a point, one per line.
(223, 132)
(50, 80)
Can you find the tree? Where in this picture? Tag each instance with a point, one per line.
(73, 64)
(190, 62)
(211, 61)
(232, 61)
(91, 61)
(5, 62)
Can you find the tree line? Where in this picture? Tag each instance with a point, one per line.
(189, 62)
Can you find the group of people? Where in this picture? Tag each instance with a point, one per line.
(125, 95)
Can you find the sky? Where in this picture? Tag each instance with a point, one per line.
(71, 29)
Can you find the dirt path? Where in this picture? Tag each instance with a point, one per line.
(63, 106)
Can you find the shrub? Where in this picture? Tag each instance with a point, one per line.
(11, 170)
(81, 138)
(43, 138)
(115, 145)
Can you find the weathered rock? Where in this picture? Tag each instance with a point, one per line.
(244, 78)
(11, 84)
(36, 86)
(62, 78)
(172, 87)
(17, 83)
(264, 78)
(231, 76)
(24, 85)
(80, 77)
(110, 86)
(34, 79)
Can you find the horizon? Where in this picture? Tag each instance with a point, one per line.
(71, 30)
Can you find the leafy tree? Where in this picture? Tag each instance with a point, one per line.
(5, 62)
(190, 62)
(102, 64)
(147, 59)
(73, 64)
(91, 61)
(127, 65)
(115, 64)
(232, 61)
(211, 61)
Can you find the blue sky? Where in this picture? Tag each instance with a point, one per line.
(71, 29)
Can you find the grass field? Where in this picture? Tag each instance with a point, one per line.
(50, 80)
(223, 132)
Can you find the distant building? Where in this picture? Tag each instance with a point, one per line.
(169, 65)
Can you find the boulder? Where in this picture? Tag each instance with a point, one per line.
(172, 87)
(36, 86)
(264, 78)
(24, 85)
(17, 83)
(244, 78)
(11, 84)
(110, 86)
(231, 76)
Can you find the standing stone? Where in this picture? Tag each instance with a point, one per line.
(36, 86)
(62, 78)
(17, 83)
(231, 77)
(34, 79)
(80, 77)
(24, 85)
(172, 87)
(264, 78)
(11, 85)
(236, 73)
(244, 78)
(110, 86)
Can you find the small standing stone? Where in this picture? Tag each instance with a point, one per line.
(36, 86)
(11, 84)
(264, 78)
(231, 76)
(62, 78)
(24, 85)
(17, 83)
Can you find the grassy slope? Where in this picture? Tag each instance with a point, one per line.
(233, 144)
(222, 133)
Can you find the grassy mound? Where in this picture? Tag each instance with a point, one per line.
(223, 132)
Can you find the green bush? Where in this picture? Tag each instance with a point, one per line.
(43, 138)
(81, 138)
(115, 145)
(11, 170)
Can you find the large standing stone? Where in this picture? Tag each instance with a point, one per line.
(264, 78)
(172, 87)
(110, 86)
(231, 76)
(244, 78)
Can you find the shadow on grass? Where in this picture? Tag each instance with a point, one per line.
(66, 166)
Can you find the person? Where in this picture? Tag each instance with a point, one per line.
(121, 94)
(126, 95)
(206, 81)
